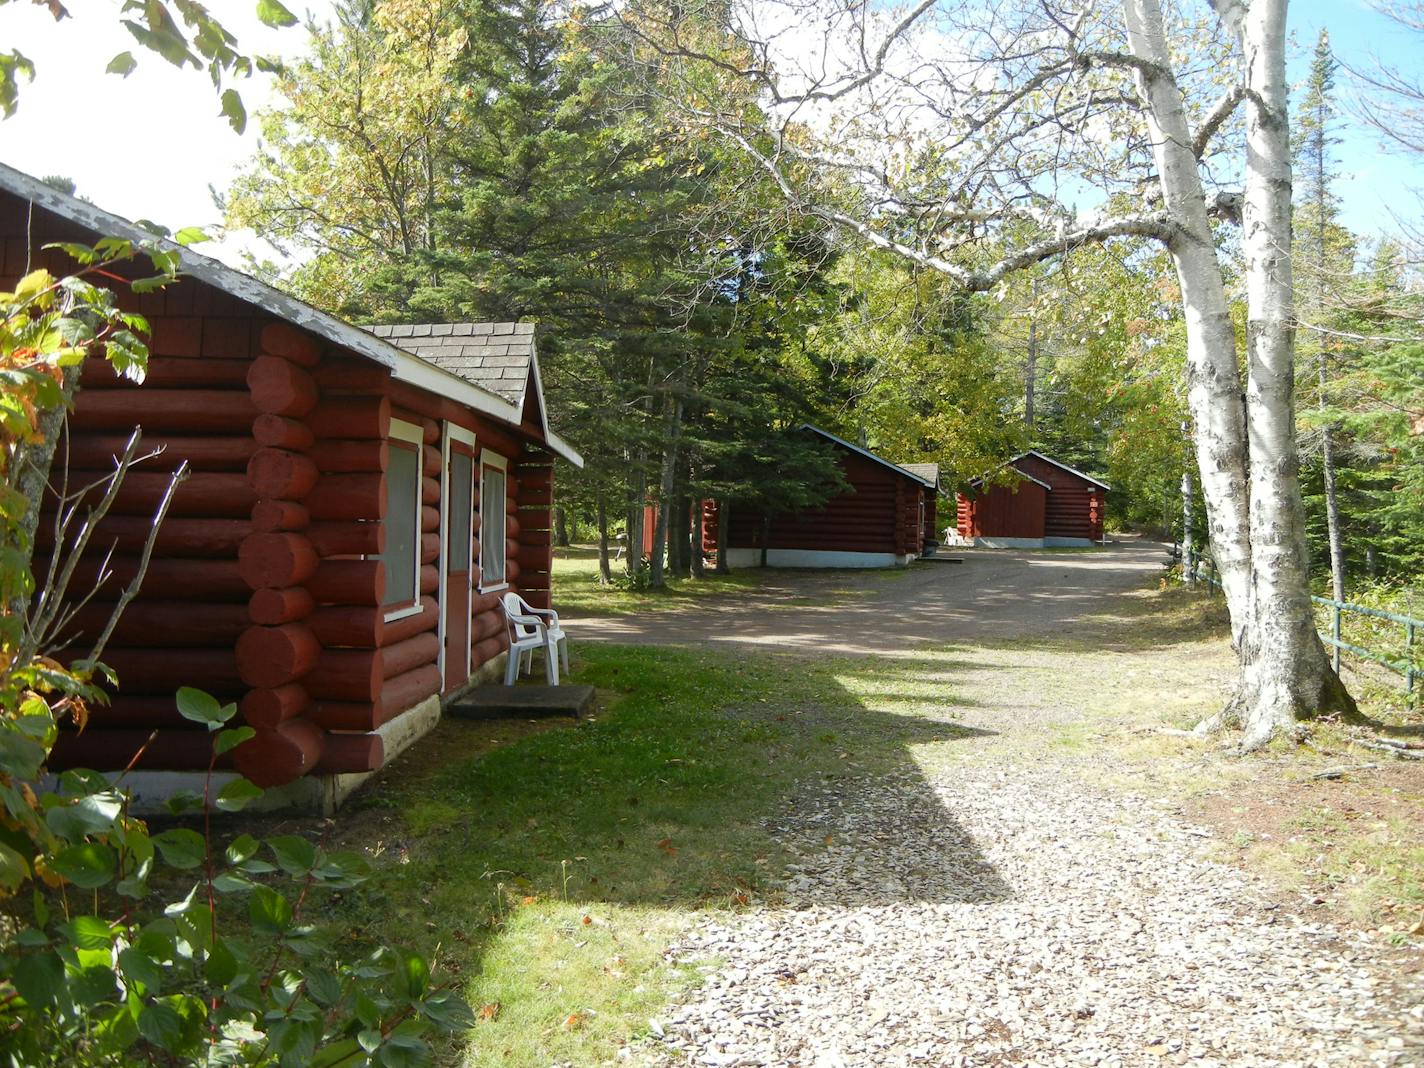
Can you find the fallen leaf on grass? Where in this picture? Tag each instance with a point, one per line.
(490, 1011)
(587, 920)
(573, 1021)
(667, 847)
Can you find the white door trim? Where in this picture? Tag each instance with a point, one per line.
(451, 433)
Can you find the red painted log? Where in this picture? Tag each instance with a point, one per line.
(533, 558)
(486, 625)
(420, 416)
(351, 626)
(429, 548)
(269, 707)
(274, 656)
(352, 376)
(431, 461)
(429, 491)
(533, 499)
(163, 670)
(280, 387)
(359, 582)
(537, 598)
(487, 602)
(281, 474)
(349, 754)
(271, 516)
(273, 607)
(168, 372)
(532, 478)
(112, 750)
(209, 495)
(123, 713)
(334, 455)
(182, 580)
(274, 561)
(282, 754)
(398, 695)
(512, 570)
(345, 675)
(219, 453)
(429, 518)
(399, 657)
(286, 341)
(347, 539)
(536, 537)
(534, 518)
(176, 537)
(165, 411)
(428, 618)
(351, 417)
(360, 496)
(488, 649)
(150, 622)
(429, 578)
(279, 432)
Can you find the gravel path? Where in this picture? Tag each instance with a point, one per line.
(983, 918)
(1004, 911)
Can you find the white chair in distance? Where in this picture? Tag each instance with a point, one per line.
(533, 628)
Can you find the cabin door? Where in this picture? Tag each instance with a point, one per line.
(458, 552)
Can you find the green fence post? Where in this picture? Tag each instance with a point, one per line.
(1409, 671)
(1335, 631)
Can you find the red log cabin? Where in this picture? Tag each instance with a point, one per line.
(359, 500)
(886, 518)
(1049, 504)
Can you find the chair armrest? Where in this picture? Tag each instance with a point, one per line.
(545, 612)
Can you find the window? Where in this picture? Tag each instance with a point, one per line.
(492, 509)
(402, 521)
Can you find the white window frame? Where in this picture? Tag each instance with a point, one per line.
(499, 463)
(453, 434)
(413, 434)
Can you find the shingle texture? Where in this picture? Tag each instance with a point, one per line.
(494, 356)
(928, 472)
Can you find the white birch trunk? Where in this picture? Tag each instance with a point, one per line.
(1286, 673)
(1214, 395)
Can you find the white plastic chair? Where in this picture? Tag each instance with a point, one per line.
(533, 628)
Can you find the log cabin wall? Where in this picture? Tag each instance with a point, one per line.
(1003, 511)
(861, 519)
(263, 588)
(1074, 507)
(931, 524)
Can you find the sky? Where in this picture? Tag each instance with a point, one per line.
(151, 145)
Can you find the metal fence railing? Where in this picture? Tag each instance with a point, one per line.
(1407, 665)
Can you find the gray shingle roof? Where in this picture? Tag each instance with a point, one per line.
(493, 356)
(928, 472)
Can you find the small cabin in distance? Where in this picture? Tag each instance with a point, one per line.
(886, 518)
(359, 501)
(1049, 505)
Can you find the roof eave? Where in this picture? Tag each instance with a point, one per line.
(867, 454)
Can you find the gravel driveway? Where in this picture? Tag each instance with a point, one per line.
(1005, 911)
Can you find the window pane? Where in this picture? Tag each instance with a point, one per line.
(461, 471)
(492, 527)
(402, 524)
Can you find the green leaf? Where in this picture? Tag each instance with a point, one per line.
(88, 932)
(233, 109)
(89, 865)
(342, 1052)
(237, 793)
(323, 986)
(161, 1024)
(448, 1011)
(14, 869)
(94, 985)
(403, 1051)
(241, 848)
(416, 974)
(231, 883)
(182, 801)
(190, 235)
(231, 738)
(39, 978)
(94, 814)
(274, 14)
(123, 64)
(269, 910)
(181, 848)
(221, 966)
(202, 707)
(295, 855)
(370, 1040)
(140, 968)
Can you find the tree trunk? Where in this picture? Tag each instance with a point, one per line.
(1189, 543)
(665, 491)
(605, 573)
(633, 561)
(561, 527)
(1287, 673)
(697, 563)
(765, 537)
(724, 529)
(1256, 525)
(30, 472)
(1332, 501)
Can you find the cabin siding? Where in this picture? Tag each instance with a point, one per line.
(1071, 506)
(1003, 511)
(262, 589)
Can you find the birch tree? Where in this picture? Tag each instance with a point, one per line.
(967, 138)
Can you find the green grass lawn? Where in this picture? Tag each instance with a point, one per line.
(577, 586)
(549, 873)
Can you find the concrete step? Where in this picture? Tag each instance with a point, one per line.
(523, 702)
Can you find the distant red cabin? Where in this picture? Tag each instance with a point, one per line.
(885, 519)
(359, 501)
(1050, 504)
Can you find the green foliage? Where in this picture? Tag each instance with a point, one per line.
(153, 965)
